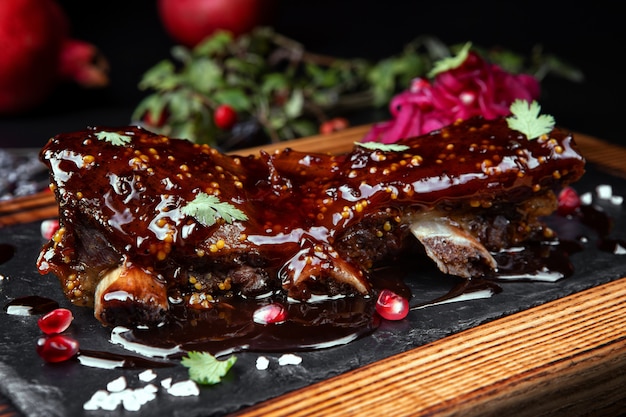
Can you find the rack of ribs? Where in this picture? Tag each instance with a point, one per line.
(304, 224)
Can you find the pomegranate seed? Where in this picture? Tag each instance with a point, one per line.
(49, 228)
(568, 201)
(57, 348)
(270, 314)
(56, 321)
(224, 117)
(391, 306)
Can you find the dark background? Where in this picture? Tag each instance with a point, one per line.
(129, 33)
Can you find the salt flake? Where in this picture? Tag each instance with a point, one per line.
(132, 400)
(147, 375)
(289, 359)
(130, 403)
(586, 198)
(262, 363)
(619, 250)
(604, 191)
(166, 383)
(184, 389)
(117, 385)
(98, 398)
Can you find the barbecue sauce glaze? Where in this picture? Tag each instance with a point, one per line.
(124, 204)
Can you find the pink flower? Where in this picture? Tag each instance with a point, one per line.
(474, 88)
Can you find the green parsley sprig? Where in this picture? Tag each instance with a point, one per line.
(525, 118)
(114, 138)
(450, 62)
(206, 369)
(208, 208)
(384, 147)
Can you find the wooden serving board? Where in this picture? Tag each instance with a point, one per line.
(563, 358)
(566, 357)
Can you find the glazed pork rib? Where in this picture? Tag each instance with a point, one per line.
(147, 221)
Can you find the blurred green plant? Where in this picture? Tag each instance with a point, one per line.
(274, 83)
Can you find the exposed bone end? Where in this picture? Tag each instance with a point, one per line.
(454, 251)
(346, 274)
(128, 296)
(318, 269)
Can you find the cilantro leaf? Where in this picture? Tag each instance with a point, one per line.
(114, 138)
(452, 62)
(526, 119)
(205, 369)
(208, 208)
(377, 146)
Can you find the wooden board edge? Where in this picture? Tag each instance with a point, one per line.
(521, 364)
(595, 150)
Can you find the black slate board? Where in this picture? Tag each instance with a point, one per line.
(39, 389)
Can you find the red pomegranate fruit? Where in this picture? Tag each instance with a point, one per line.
(38, 53)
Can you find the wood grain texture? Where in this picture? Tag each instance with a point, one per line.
(6, 410)
(567, 357)
(595, 150)
(332, 143)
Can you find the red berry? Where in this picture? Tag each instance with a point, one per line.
(391, 306)
(56, 321)
(225, 117)
(334, 125)
(270, 314)
(568, 201)
(150, 119)
(57, 348)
